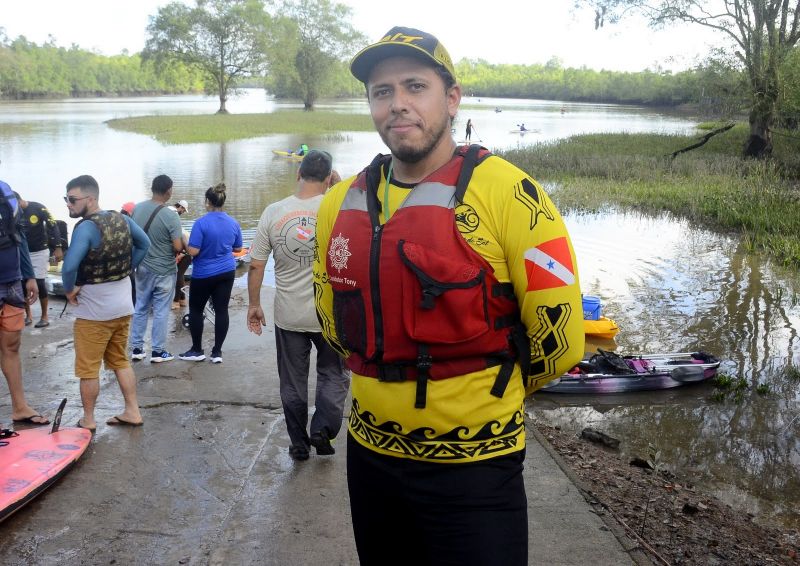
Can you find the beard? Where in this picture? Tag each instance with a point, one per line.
(410, 153)
(77, 213)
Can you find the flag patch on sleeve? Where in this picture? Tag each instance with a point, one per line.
(549, 265)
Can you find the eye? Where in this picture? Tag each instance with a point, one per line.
(416, 87)
(381, 92)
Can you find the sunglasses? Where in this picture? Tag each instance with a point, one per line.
(72, 200)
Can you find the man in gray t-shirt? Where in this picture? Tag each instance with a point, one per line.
(155, 276)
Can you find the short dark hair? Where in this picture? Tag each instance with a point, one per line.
(316, 165)
(161, 185)
(86, 183)
(216, 195)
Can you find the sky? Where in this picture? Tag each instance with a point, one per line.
(518, 31)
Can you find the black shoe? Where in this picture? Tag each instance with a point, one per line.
(320, 441)
(298, 453)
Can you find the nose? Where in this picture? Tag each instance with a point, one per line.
(399, 102)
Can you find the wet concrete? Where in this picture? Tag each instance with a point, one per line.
(208, 480)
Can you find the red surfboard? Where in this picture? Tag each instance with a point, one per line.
(33, 460)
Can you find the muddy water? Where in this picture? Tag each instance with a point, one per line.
(672, 286)
(669, 285)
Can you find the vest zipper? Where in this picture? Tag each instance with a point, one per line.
(375, 288)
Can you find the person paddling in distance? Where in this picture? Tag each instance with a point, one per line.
(489, 309)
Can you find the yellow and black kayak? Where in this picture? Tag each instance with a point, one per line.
(287, 155)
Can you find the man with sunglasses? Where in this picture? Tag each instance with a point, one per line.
(106, 246)
(287, 230)
(17, 288)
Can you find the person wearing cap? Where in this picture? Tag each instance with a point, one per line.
(44, 239)
(446, 278)
(17, 289)
(286, 230)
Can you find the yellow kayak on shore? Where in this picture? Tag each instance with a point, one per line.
(287, 155)
(602, 327)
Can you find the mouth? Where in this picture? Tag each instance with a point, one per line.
(402, 127)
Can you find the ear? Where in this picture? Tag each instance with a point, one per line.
(453, 97)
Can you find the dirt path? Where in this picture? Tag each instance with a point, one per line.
(673, 520)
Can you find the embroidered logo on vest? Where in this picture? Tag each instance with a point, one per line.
(339, 252)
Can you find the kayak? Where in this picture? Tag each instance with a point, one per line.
(601, 328)
(287, 155)
(608, 372)
(523, 132)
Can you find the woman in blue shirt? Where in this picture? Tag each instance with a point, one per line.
(214, 238)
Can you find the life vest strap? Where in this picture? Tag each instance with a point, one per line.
(424, 363)
(504, 290)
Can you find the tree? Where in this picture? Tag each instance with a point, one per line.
(315, 36)
(225, 39)
(764, 33)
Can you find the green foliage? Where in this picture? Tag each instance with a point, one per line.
(763, 389)
(711, 185)
(226, 40)
(219, 127)
(792, 373)
(28, 70)
(311, 39)
(763, 33)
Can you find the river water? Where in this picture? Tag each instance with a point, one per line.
(670, 285)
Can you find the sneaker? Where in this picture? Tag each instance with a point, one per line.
(320, 441)
(298, 453)
(137, 354)
(193, 356)
(216, 356)
(162, 356)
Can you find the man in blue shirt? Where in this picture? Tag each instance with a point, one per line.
(106, 246)
(17, 287)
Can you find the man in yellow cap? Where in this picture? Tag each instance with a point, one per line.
(446, 278)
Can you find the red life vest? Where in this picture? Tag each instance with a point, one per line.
(411, 299)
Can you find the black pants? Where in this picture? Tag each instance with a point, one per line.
(218, 288)
(333, 381)
(421, 513)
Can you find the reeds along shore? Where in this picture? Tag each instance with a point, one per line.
(711, 185)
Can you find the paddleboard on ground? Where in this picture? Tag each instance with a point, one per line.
(33, 460)
(287, 155)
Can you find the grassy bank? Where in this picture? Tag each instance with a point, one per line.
(228, 127)
(712, 185)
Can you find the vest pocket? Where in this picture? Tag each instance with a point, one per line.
(350, 320)
(444, 298)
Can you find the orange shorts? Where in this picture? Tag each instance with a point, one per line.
(12, 319)
(101, 341)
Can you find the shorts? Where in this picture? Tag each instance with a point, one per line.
(12, 319)
(101, 340)
(12, 294)
(40, 261)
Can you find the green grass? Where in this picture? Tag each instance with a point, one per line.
(228, 127)
(712, 185)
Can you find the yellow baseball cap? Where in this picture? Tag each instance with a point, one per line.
(401, 42)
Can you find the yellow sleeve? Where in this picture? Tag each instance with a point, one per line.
(323, 294)
(524, 238)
